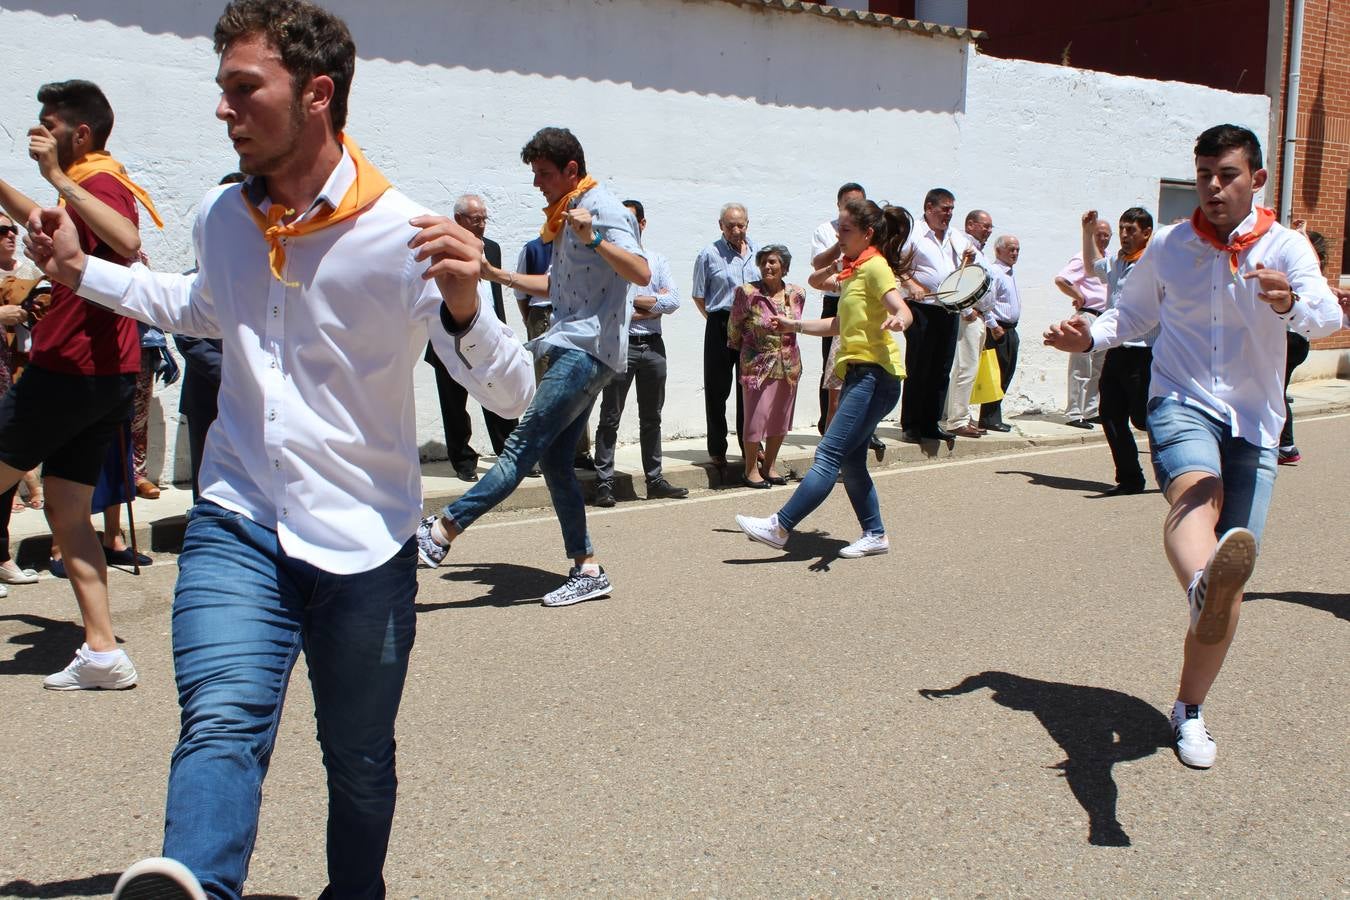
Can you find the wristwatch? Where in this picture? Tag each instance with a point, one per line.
(595, 240)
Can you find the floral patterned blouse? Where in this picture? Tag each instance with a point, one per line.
(765, 353)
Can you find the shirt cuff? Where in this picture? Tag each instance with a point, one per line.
(104, 283)
(477, 344)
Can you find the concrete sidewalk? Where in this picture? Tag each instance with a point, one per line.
(159, 523)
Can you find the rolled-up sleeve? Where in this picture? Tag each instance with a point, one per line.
(1137, 312)
(699, 290)
(662, 280)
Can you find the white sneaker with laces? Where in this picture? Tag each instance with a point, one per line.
(1221, 582)
(867, 545)
(766, 531)
(84, 674)
(1195, 748)
(158, 878)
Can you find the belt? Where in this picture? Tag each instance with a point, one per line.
(1007, 325)
(644, 338)
(1092, 312)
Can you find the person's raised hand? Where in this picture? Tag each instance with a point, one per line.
(53, 244)
(1071, 335)
(42, 148)
(1090, 221)
(579, 220)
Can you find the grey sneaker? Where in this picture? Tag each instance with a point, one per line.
(578, 587)
(158, 878)
(1224, 577)
(429, 553)
(83, 674)
(1195, 748)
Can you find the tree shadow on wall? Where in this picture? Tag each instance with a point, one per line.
(1096, 727)
(725, 50)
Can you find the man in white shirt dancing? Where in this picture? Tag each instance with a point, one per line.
(324, 284)
(1222, 288)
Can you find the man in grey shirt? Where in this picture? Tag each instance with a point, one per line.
(596, 255)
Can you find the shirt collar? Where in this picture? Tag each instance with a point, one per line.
(332, 192)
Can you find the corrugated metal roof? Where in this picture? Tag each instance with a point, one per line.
(866, 18)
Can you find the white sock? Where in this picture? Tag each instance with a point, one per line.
(438, 532)
(103, 657)
(592, 569)
(1179, 709)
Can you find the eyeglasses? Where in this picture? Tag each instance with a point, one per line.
(7, 230)
(475, 220)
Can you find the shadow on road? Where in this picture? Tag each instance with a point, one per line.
(506, 584)
(93, 886)
(48, 648)
(1060, 482)
(801, 546)
(1096, 727)
(1336, 604)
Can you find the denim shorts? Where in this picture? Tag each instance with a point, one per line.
(1186, 439)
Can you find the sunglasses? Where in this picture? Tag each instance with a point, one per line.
(7, 230)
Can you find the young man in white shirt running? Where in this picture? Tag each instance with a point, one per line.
(1222, 288)
(324, 284)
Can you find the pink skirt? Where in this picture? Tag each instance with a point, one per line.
(768, 409)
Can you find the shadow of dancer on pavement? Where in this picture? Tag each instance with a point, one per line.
(1096, 727)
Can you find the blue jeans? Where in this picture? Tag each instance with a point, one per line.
(547, 435)
(1185, 439)
(870, 392)
(242, 612)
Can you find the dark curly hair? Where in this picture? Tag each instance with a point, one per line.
(557, 145)
(311, 40)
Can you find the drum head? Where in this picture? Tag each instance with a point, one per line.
(963, 288)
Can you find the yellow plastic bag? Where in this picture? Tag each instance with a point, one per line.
(988, 385)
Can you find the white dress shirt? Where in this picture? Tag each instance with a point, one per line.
(826, 236)
(316, 436)
(1219, 347)
(935, 258)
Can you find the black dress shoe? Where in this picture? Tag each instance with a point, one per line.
(660, 489)
(534, 473)
(757, 485)
(584, 461)
(1079, 423)
(1124, 490)
(877, 446)
(909, 436)
(996, 426)
(604, 494)
(466, 473)
(937, 434)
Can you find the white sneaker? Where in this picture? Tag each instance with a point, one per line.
(158, 878)
(430, 553)
(1195, 748)
(83, 674)
(766, 531)
(579, 586)
(867, 545)
(1221, 582)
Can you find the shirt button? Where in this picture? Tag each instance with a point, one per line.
(272, 416)
(276, 464)
(274, 363)
(275, 310)
(285, 512)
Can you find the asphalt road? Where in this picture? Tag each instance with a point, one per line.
(741, 722)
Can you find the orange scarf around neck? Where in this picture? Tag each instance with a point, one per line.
(1236, 242)
(367, 187)
(553, 213)
(1132, 258)
(851, 265)
(100, 162)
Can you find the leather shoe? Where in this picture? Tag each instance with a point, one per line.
(877, 446)
(584, 461)
(660, 489)
(937, 434)
(1127, 488)
(466, 473)
(968, 431)
(147, 489)
(1079, 423)
(909, 436)
(604, 494)
(534, 473)
(1001, 427)
(757, 485)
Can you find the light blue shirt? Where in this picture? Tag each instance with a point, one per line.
(1114, 271)
(591, 311)
(718, 271)
(666, 303)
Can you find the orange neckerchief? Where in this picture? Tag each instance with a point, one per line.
(100, 162)
(1236, 244)
(553, 213)
(367, 187)
(1132, 258)
(851, 265)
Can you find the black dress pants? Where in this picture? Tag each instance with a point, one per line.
(455, 419)
(930, 348)
(721, 370)
(1005, 350)
(1123, 392)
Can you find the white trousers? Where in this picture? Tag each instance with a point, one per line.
(1085, 370)
(969, 344)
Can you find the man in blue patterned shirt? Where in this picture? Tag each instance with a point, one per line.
(596, 256)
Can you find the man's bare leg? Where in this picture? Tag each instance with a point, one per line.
(1189, 540)
(68, 514)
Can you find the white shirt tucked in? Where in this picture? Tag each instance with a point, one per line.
(1219, 347)
(316, 436)
(935, 258)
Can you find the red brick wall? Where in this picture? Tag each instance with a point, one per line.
(1322, 170)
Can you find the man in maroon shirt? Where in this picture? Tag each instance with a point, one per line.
(78, 387)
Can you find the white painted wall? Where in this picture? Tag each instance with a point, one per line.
(683, 104)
